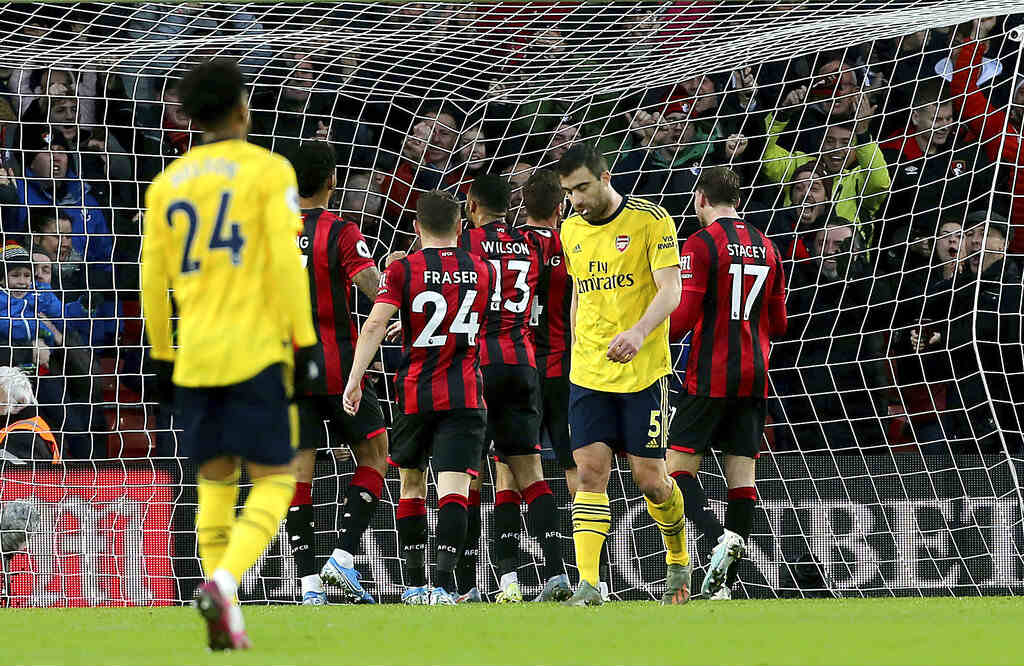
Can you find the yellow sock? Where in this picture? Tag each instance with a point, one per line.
(256, 526)
(672, 523)
(214, 518)
(591, 521)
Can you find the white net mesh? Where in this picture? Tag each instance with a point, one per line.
(881, 155)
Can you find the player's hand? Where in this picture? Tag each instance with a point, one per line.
(394, 332)
(625, 346)
(352, 397)
(393, 257)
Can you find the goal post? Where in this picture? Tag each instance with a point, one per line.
(878, 144)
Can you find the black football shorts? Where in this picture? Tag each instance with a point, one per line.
(253, 420)
(733, 425)
(453, 440)
(367, 423)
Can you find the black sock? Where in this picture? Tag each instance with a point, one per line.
(360, 503)
(299, 523)
(604, 567)
(739, 518)
(451, 535)
(542, 521)
(412, 539)
(695, 504)
(508, 526)
(465, 570)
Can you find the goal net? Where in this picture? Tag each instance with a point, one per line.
(878, 144)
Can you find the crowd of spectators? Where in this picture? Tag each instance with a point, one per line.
(890, 175)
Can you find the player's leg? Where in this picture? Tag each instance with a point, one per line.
(506, 526)
(645, 435)
(299, 519)
(683, 468)
(739, 512)
(741, 436)
(542, 522)
(555, 419)
(410, 447)
(465, 569)
(594, 427)
(457, 448)
(301, 530)
(693, 429)
(369, 439)
(264, 430)
(411, 518)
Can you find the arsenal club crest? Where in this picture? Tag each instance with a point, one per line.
(621, 242)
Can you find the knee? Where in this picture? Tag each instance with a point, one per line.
(591, 477)
(414, 484)
(373, 453)
(652, 484)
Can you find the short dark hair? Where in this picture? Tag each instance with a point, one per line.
(438, 212)
(39, 218)
(210, 90)
(583, 154)
(314, 162)
(491, 191)
(720, 184)
(541, 194)
(931, 92)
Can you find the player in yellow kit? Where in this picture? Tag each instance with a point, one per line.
(623, 257)
(220, 230)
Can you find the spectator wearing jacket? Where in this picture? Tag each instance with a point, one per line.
(792, 227)
(847, 154)
(26, 315)
(1000, 138)
(979, 312)
(932, 176)
(829, 370)
(158, 147)
(49, 181)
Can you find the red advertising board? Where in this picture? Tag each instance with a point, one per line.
(104, 537)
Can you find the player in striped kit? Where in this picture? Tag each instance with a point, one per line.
(734, 302)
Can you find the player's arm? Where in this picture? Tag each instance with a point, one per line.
(694, 279)
(572, 315)
(776, 303)
(367, 345)
(663, 258)
(368, 280)
(283, 220)
(156, 303)
(573, 301)
(625, 345)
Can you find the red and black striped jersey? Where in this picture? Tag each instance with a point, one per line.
(549, 316)
(734, 301)
(517, 260)
(334, 252)
(443, 296)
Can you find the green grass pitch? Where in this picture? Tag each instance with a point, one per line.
(851, 631)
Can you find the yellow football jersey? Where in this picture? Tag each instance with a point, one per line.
(612, 265)
(220, 230)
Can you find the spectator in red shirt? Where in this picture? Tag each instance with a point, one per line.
(987, 123)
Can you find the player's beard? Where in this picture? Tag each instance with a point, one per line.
(598, 211)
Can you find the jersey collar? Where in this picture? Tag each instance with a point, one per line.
(622, 206)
